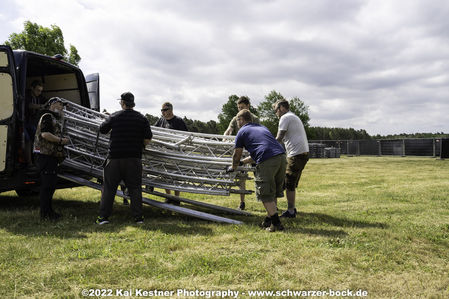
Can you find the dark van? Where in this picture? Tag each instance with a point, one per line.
(18, 69)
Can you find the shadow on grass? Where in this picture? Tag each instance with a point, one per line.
(318, 232)
(301, 224)
(21, 216)
(318, 218)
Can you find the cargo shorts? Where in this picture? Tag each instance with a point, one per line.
(269, 178)
(295, 166)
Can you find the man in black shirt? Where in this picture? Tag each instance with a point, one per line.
(170, 121)
(130, 132)
(34, 102)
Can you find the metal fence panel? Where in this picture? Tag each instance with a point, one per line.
(369, 147)
(444, 143)
(419, 147)
(428, 147)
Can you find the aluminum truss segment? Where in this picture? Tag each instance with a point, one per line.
(176, 160)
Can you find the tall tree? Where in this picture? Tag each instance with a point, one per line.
(228, 111)
(268, 117)
(43, 40)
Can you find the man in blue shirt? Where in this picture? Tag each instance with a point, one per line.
(270, 160)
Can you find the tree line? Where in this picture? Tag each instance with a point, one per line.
(269, 119)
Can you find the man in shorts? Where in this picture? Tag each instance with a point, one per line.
(269, 157)
(291, 132)
(242, 103)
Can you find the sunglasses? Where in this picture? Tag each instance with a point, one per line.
(165, 109)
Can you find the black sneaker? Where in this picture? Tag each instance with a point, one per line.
(242, 206)
(275, 227)
(101, 220)
(139, 220)
(287, 214)
(266, 223)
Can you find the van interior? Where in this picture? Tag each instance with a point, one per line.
(58, 80)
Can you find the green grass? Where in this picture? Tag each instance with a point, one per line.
(379, 224)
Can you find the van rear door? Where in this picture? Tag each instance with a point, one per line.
(93, 88)
(7, 98)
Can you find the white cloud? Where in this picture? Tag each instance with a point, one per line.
(374, 65)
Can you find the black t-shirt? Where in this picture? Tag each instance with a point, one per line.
(176, 123)
(32, 115)
(128, 130)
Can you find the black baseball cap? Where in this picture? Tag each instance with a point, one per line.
(127, 97)
(54, 100)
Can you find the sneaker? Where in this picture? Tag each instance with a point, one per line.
(242, 206)
(287, 214)
(139, 220)
(275, 227)
(101, 220)
(266, 223)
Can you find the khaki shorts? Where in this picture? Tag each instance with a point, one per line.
(295, 165)
(269, 178)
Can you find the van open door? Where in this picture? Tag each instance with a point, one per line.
(93, 88)
(7, 98)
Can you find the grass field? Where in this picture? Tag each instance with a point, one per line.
(378, 224)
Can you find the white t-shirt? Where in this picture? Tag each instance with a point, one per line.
(295, 138)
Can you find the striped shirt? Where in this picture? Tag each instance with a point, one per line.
(128, 130)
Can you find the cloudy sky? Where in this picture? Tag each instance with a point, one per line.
(377, 65)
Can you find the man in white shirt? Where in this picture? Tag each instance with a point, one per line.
(291, 132)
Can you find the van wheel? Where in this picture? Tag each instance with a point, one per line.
(26, 192)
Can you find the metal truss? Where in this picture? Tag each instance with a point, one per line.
(176, 160)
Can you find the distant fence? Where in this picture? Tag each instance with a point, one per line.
(430, 147)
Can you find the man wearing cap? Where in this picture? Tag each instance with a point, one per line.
(130, 132)
(269, 157)
(291, 132)
(49, 144)
(170, 121)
